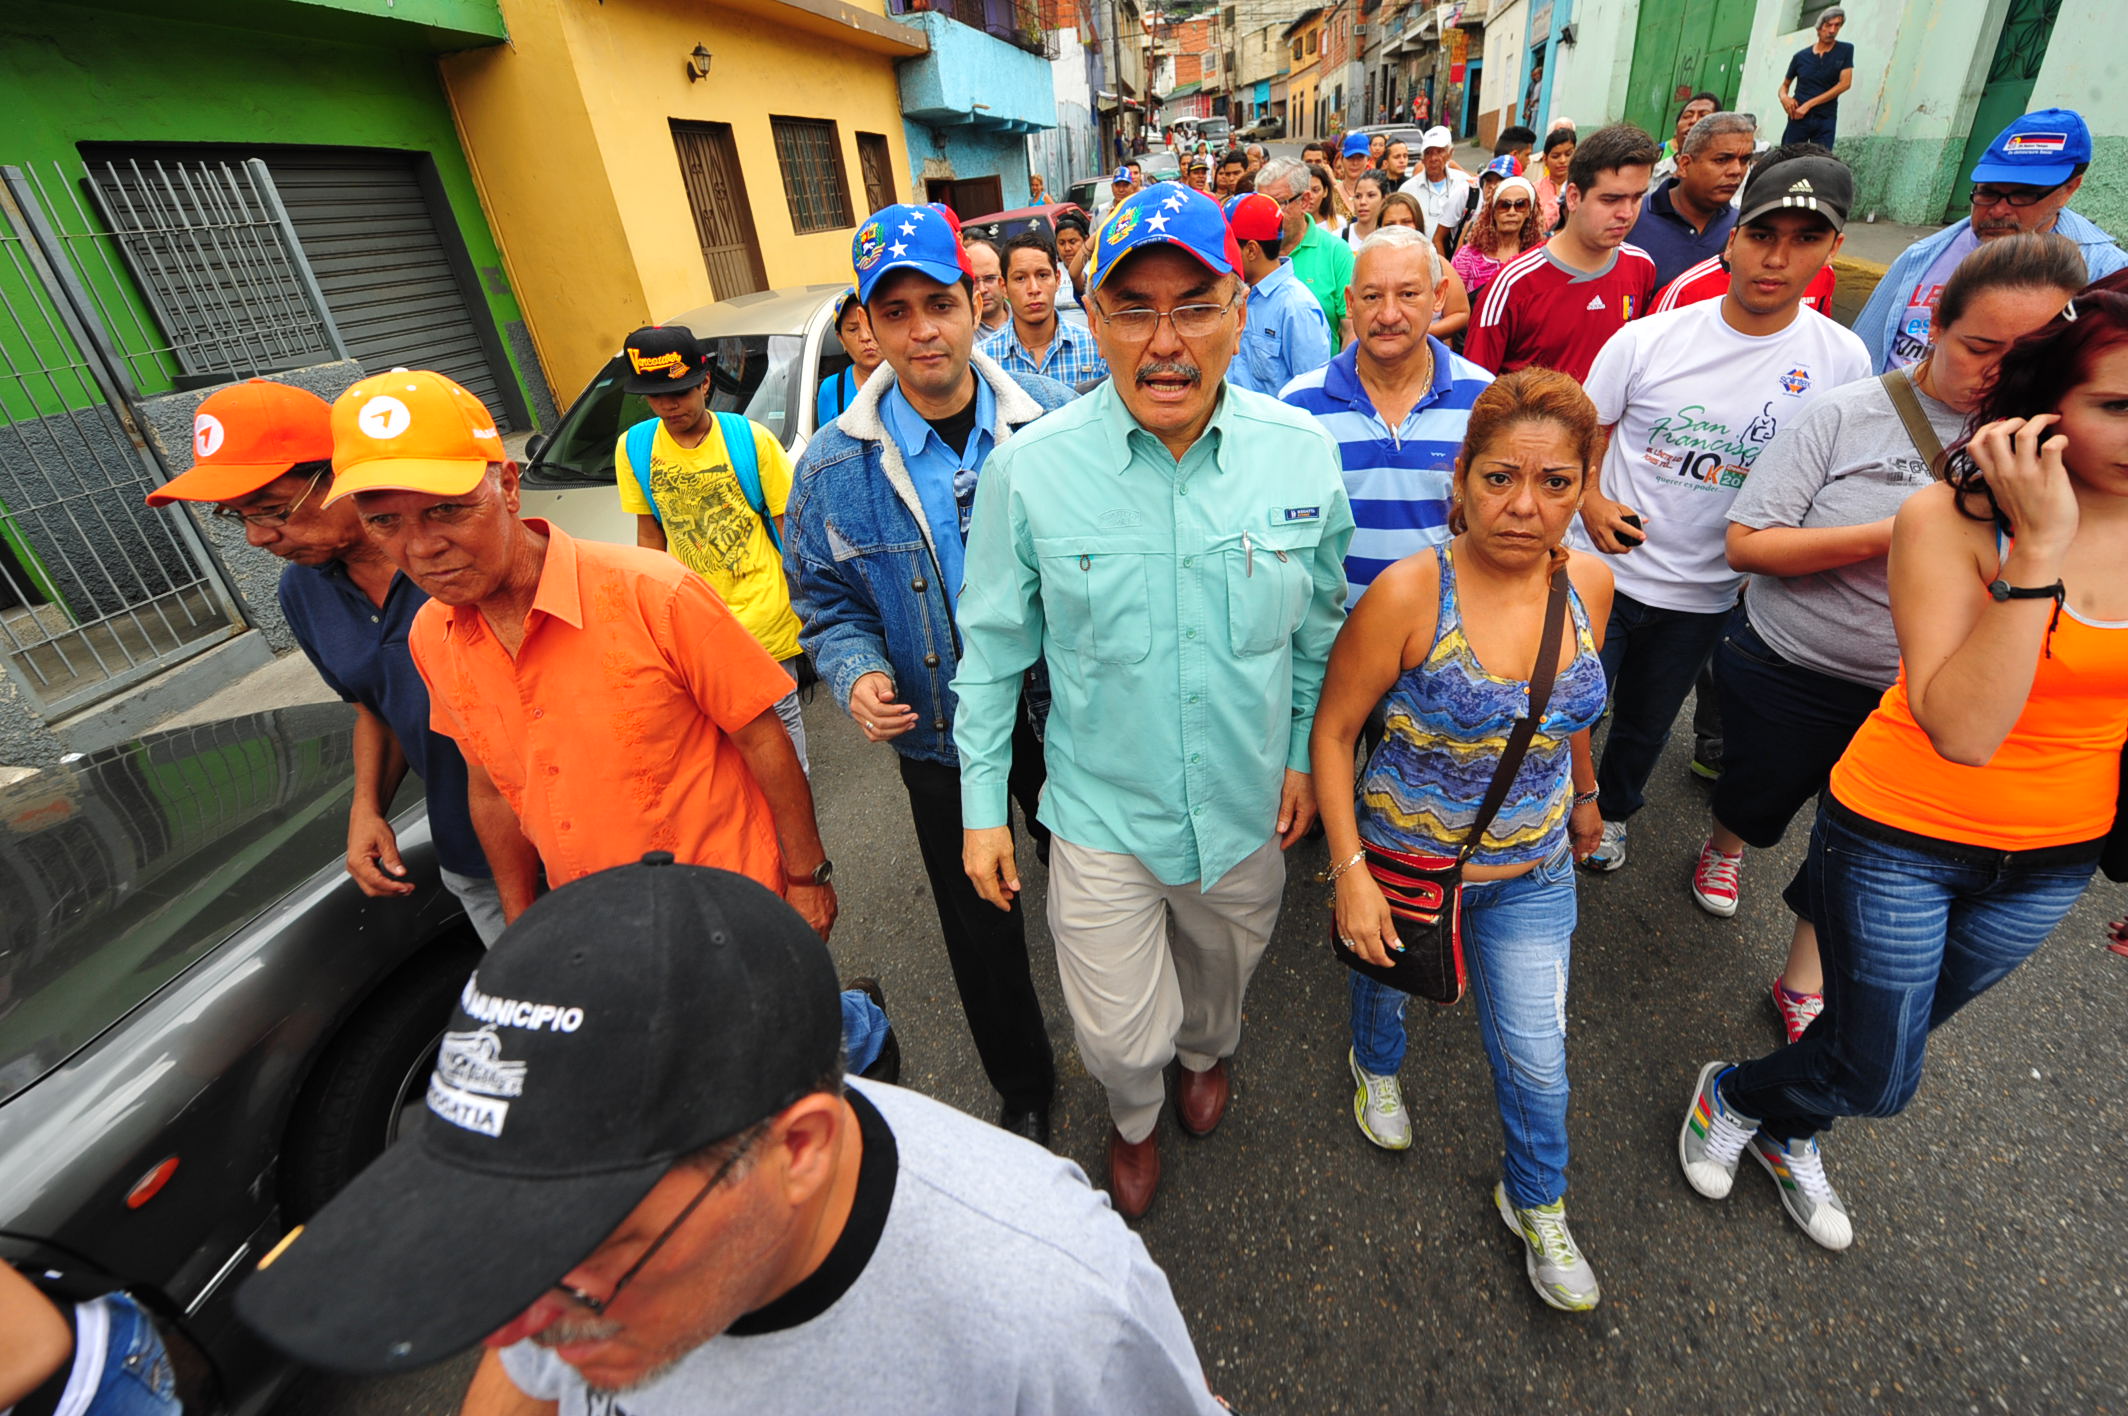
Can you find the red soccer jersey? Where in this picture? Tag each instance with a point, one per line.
(1708, 281)
(1538, 312)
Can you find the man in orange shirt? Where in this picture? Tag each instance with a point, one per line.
(607, 702)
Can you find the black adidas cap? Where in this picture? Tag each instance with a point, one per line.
(1815, 183)
(626, 1020)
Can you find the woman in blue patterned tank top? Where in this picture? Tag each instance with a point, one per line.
(1441, 646)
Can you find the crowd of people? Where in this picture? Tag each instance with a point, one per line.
(1192, 530)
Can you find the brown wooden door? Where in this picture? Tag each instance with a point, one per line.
(877, 168)
(724, 223)
(977, 196)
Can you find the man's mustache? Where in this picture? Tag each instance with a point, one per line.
(1170, 369)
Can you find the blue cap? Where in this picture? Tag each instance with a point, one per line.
(1166, 214)
(919, 238)
(2041, 149)
(1357, 145)
(1504, 164)
(1122, 175)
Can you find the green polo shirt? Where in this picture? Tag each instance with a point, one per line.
(1324, 265)
(1185, 609)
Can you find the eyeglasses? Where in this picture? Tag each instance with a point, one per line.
(274, 518)
(1137, 326)
(2012, 196)
(600, 1305)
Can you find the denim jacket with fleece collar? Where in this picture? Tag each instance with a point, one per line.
(862, 565)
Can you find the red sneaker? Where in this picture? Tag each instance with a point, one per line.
(1714, 880)
(1796, 1009)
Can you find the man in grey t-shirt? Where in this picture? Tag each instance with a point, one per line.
(644, 1181)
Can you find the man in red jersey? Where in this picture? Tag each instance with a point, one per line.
(1556, 305)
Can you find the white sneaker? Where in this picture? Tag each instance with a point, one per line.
(1798, 1167)
(1713, 1137)
(1378, 1106)
(1610, 852)
(1557, 1270)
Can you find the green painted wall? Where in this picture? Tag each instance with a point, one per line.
(78, 74)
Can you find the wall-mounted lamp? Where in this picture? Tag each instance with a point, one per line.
(698, 64)
(1566, 34)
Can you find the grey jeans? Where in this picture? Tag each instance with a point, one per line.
(482, 901)
(788, 709)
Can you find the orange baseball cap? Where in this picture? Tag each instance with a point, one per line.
(411, 431)
(246, 435)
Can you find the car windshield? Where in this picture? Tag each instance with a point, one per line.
(753, 374)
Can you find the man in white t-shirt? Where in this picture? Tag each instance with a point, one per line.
(1440, 190)
(647, 1174)
(1688, 399)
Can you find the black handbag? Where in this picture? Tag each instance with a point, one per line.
(2113, 860)
(1425, 892)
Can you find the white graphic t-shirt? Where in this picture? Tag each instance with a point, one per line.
(1694, 403)
(1911, 340)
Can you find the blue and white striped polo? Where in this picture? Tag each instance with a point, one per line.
(1398, 478)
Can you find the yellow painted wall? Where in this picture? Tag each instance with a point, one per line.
(567, 130)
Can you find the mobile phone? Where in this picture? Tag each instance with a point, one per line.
(1631, 519)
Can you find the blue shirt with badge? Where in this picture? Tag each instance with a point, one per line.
(945, 477)
(359, 649)
(1286, 334)
(1185, 609)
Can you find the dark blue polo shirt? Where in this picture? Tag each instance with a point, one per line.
(1814, 73)
(360, 651)
(1668, 238)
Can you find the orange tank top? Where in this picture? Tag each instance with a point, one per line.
(2054, 780)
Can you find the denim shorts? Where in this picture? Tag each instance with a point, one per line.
(136, 1379)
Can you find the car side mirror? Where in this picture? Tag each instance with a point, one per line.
(534, 445)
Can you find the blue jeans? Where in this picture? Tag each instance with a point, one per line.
(137, 1379)
(1910, 931)
(864, 1030)
(1650, 658)
(1517, 943)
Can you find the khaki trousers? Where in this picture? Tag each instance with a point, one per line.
(1137, 997)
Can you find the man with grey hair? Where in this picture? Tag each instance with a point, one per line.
(1820, 71)
(1687, 217)
(1322, 261)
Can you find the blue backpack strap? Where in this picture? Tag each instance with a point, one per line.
(746, 466)
(638, 442)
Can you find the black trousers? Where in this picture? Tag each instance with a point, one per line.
(986, 946)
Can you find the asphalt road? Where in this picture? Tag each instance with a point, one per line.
(1322, 1275)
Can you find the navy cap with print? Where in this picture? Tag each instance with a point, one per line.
(624, 1021)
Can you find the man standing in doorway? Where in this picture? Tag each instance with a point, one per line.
(879, 522)
(1688, 399)
(1557, 304)
(1818, 74)
(1173, 548)
(1286, 333)
(690, 500)
(1037, 341)
(1321, 261)
(265, 459)
(1687, 218)
(2023, 182)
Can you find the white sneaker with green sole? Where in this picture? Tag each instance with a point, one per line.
(1557, 1270)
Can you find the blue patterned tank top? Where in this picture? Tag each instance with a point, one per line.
(1448, 721)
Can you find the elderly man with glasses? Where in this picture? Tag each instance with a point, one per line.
(1173, 548)
(264, 455)
(2023, 182)
(1321, 261)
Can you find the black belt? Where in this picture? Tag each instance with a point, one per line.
(1962, 852)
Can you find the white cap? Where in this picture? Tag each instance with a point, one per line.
(1436, 138)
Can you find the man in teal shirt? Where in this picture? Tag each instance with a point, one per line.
(1322, 262)
(1173, 547)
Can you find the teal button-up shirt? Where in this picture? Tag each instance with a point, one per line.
(1186, 610)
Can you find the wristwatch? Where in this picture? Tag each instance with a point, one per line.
(2001, 590)
(818, 875)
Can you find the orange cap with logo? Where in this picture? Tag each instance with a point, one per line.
(246, 435)
(411, 431)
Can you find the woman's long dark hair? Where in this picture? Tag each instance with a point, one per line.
(2034, 375)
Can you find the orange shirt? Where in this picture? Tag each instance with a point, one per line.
(608, 734)
(2052, 782)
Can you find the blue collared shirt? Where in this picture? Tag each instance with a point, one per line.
(1072, 358)
(360, 651)
(1398, 478)
(1668, 238)
(1286, 334)
(1185, 609)
(944, 476)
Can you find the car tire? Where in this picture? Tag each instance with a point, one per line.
(379, 1064)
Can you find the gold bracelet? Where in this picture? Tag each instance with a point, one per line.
(1344, 865)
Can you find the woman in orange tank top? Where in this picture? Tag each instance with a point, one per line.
(1967, 815)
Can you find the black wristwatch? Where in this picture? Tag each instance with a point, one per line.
(2001, 590)
(818, 875)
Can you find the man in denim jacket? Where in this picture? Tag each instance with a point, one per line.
(875, 530)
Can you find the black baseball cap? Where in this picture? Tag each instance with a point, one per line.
(664, 359)
(1820, 184)
(624, 1021)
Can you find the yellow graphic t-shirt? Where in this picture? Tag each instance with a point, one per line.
(710, 529)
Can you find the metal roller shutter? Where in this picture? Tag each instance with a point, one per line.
(372, 238)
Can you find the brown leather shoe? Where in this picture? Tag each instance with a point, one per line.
(1201, 1098)
(1133, 1173)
